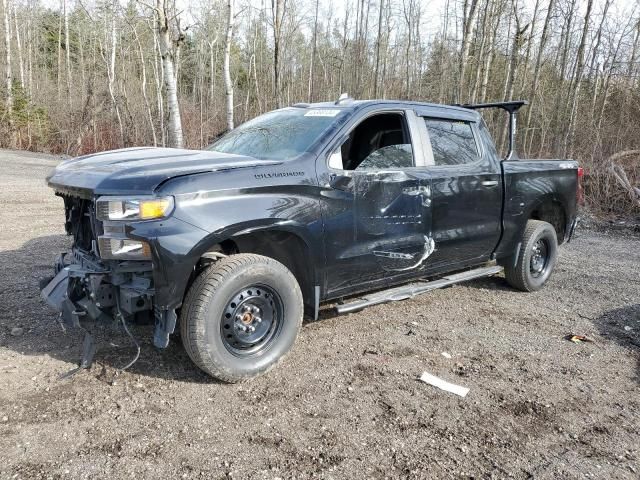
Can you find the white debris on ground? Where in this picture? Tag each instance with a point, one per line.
(443, 384)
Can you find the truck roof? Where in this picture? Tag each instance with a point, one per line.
(434, 109)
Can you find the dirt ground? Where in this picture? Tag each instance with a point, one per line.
(346, 403)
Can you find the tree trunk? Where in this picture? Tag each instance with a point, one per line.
(158, 74)
(29, 55)
(527, 55)
(19, 47)
(111, 77)
(59, 76)
(67, 48)
(165, 44)
(594, 66)
(143, 81)
(9, 75)
(480, 55)
(513, 64)
(491, 56)
(313, 52)
(408, 11)
(468, 19)
(228, 85)
(565, 42)
(212, 68)
(577, 83)
(536, 70)
(378, 40)
(277, 10)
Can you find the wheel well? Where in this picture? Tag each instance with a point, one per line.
(553, 213)
(285, 247)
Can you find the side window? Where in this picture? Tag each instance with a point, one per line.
(379, 142)
(393, 156)
(452, 142)
(489, 145)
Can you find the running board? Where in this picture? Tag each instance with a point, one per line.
(409, 291)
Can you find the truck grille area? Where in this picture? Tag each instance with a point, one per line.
(80, 222)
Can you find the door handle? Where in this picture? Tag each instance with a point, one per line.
(489, 183)
(420, 191)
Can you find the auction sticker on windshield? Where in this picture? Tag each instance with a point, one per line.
(325, 112)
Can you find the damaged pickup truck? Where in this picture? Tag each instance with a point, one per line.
(304, 205)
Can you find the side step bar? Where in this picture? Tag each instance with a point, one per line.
(409, 291)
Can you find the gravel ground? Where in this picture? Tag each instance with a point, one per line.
(346, 403)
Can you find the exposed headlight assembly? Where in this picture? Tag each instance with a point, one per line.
(133, 208)
(123, 249)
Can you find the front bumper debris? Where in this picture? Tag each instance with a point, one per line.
(87, 289)
(92, 294)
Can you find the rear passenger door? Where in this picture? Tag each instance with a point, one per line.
(466, 184)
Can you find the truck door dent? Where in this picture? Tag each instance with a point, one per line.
(378, 223)
(390, 211)
(429, 248)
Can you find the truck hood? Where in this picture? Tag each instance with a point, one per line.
(134, 171)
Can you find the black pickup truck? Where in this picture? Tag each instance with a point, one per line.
(303, 205)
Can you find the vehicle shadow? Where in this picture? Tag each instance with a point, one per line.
(496, 282)
(622, 325)
(28, 326)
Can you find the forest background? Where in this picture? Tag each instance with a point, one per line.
(86, 76)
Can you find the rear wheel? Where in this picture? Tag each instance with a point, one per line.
(241, 316)
(537, 257)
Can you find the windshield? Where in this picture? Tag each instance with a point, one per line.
(282, 134)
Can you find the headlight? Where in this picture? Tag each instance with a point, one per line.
(133, 208)
(123, 249)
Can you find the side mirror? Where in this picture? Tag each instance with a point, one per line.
(339, 182)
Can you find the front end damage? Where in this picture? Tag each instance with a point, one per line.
(92, 293)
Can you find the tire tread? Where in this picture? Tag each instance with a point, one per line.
(516, 273)
(194, 310)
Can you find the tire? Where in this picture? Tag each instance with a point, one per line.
(536, 260)
(229, 298)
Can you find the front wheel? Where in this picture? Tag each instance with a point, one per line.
(241, 316)
(537, 257)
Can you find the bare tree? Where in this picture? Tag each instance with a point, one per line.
(169, 47)
(468, 19)
(143, 86)
(577, 81)
(111, 72)
(9, 74)
(378, 42)
(277, 11)
(536, 71)
(19, 46)
(228, 84)
(67, 46)
(594, 66)
(59, 75)
(314, 47)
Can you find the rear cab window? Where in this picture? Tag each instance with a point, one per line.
(452, 142)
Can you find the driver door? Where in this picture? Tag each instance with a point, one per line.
(377, 224)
